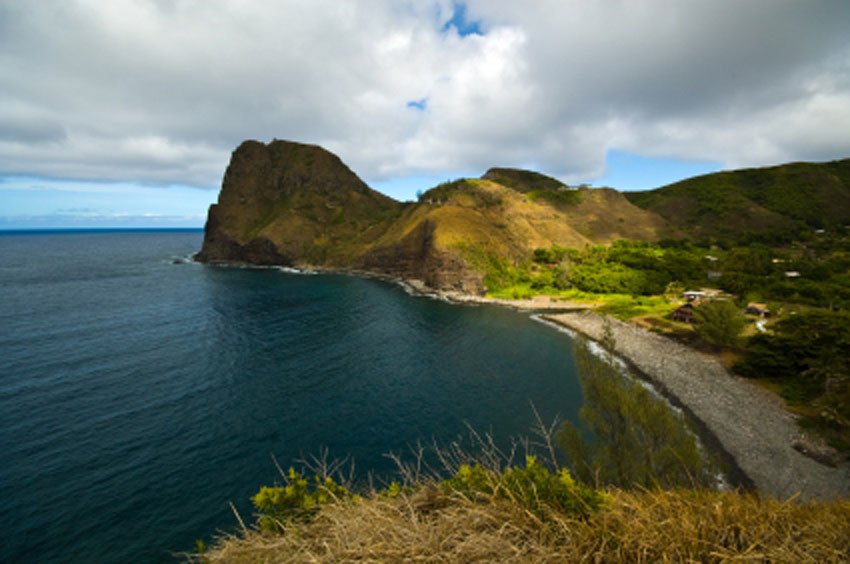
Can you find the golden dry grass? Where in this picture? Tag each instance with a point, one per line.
(645, 526)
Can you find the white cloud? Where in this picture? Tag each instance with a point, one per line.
(162, 91)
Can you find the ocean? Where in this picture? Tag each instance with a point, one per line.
(141, 393)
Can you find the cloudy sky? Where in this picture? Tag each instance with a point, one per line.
(125, 112)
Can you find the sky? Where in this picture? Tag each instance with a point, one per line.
(125, 113)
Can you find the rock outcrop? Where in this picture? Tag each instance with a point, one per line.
(289, 203)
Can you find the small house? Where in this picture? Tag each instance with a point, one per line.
(692, 295)
(684, 314)
(792, 274)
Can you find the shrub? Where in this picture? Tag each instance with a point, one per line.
(639, 440)
(533, 488)
(297, 501)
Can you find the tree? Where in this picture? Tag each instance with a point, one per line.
(719, 323)
(638, 441)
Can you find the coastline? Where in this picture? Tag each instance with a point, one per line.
(747, 425)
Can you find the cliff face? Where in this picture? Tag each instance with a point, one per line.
(291, 204)
(287, 203)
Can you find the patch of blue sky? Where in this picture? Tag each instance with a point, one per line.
(406, 189)
(630, 171)
(421, 104)
(27, 202)
(461, 23)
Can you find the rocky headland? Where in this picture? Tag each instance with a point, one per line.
(291, 204)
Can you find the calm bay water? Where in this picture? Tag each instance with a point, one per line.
(139, 394)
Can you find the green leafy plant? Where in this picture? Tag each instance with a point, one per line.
(638, 440)
(532, 487)
(298, 500)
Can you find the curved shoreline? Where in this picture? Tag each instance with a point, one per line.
(733, 476)
(748, 423)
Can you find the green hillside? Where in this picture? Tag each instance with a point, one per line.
(770, 203)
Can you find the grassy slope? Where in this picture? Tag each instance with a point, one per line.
(476, 222)
(754, 200)
(644, 526)
(315, 210)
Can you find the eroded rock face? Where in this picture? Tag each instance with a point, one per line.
(417, 257)
(285, 203)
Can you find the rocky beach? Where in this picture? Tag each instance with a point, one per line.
(749, 423)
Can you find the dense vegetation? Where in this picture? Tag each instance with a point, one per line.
(771, 205)
(801, 349)
(808, 356)
(625, 267)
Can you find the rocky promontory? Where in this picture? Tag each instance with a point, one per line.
(291, 204)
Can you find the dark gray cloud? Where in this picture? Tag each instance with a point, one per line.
(162, 91)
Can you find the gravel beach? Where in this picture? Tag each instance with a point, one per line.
(750, 424)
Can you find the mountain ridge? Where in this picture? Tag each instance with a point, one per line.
(757, 203)
(292, 204)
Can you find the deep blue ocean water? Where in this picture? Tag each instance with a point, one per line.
(140, 394)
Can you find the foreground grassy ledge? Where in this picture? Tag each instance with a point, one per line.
(531, 514)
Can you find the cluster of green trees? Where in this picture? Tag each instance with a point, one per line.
(822, 266)
(638, 268)
(805, 353)
(719, 323)
(625, 267)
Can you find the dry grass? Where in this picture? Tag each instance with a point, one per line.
(650, 526)
(428, 522)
